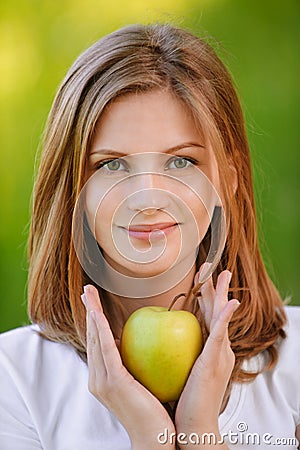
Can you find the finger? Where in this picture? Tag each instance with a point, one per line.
(118, 343)
(91, 298)
(217, 355)
(221, 293)
(205, 272)
(206, 301)
(109, 351)
(110, 356)
(94, 355)
(219, 332)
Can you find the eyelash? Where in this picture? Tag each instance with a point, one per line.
(101, 164)
(186, 158)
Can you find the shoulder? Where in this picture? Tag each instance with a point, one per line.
(34, 372)
(44, 397)
(19, 344)
(18, 338)
(289, 348)
(24, 352)
(293, 320)
(26, 343)
(279, 386)
(286, 370)
(285, 375)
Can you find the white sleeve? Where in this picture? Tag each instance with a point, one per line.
(17, 432)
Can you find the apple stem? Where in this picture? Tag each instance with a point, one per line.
(193, 293)
(175, 300)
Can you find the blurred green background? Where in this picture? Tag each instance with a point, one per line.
(259, 42)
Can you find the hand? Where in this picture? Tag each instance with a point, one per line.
(201, 400)
(135, 407)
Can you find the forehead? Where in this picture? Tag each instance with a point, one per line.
(153, 121)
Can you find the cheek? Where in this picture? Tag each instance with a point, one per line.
(198, 206)
(201, 220)
(213, 173)
(100, 208)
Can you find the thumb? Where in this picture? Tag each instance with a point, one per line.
(118, 343)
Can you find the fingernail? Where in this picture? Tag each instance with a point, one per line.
(204, 268)
(229, 275)
(236, 305)
(83, 299)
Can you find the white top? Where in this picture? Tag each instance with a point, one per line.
(45, 402)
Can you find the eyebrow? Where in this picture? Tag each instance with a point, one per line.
(105, 151)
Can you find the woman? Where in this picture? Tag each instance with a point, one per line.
(145, 162)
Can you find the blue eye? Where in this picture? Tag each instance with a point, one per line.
(180, 163)
(111, 165)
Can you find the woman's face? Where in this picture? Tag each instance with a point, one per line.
(149, 195)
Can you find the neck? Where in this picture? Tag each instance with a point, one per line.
(126, 305)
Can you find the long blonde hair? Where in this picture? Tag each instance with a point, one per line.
(135, 59)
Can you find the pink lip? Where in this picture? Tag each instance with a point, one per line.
(146, 232)
(151, 227)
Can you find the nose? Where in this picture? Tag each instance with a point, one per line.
(147, 195)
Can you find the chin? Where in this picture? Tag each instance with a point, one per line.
(138, 270)
(141, 269)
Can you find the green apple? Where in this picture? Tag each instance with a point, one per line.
(159, 347)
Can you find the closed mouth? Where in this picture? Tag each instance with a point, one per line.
(147, 232)
(151, 227)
